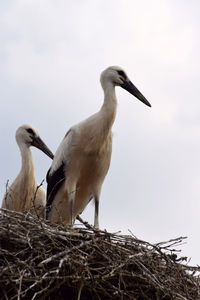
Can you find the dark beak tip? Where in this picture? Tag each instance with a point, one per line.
(149, 105)
(145, 101)
(38, 143)
(48, 153)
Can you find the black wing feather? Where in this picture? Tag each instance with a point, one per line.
(54, 181)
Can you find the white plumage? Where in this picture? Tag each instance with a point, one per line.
(24, 192)
(83, 158)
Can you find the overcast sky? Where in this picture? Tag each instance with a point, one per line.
(51, 57)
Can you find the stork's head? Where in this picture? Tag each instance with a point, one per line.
(116, 76)
(29, 136)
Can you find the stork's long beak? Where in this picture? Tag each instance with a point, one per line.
(38, 143)
(129, 86)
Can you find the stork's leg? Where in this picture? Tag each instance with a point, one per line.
(96, 213)
(71, 197)
(71, 205)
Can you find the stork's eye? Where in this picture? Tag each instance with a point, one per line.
(29, 130)
(121, 73)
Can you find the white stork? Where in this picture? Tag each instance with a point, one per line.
(24, 193)
(82, 160)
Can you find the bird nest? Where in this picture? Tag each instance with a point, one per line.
(40, 260)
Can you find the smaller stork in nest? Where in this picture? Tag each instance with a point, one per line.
(25, 193)
(83, 158)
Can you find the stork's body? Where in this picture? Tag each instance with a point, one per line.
(83, 157)
(25, 193)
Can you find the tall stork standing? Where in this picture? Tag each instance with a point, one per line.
(25, 193)
(83, 158)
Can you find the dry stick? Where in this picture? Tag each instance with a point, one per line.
(34, 198)
(65, 252)
(93, 229)
(49, 291)
(4, 293)
(20, 284)
(87, 225)
(80, 290)
(6, 194)
(172, 242)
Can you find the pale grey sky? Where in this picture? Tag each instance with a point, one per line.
(51, 57)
